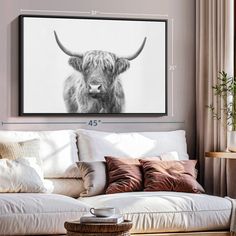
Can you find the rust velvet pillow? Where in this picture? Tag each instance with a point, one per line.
(124, 175)
(179, 176)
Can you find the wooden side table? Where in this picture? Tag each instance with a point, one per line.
(227, 155)
(230, 170)
(75, 228)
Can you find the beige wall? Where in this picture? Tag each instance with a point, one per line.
(181, 53)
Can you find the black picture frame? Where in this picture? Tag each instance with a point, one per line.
(35, 69)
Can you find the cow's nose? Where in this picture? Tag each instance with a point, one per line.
(95, 88)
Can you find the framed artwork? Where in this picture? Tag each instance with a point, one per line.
(85, 66)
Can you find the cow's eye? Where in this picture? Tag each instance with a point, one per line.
(86, 70)
(86, 67)
(108, 69)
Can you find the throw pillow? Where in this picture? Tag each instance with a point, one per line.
(15, 150)
(124, 175)
(94, 177)
(21, 175)
(179, 176)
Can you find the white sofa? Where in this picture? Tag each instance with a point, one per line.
(151, 212)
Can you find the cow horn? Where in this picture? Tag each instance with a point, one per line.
(65, 50)
(138, 52)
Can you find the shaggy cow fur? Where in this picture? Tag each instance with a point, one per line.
(95, 68)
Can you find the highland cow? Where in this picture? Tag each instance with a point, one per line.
(95, 87)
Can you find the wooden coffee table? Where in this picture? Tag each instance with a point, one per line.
(74, 228)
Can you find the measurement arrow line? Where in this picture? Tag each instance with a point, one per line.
(142, 122)
(90, 122)
(39, 123)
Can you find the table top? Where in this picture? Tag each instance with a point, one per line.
(76, 226)
(227, 155)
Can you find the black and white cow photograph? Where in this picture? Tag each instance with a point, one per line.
(93, 66)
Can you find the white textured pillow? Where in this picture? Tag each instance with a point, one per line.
(94, 145)
(21, 175)
(58, 150)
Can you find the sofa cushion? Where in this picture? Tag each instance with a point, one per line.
(94, 145)
(58, 150)
(31, 214)
(168, 211)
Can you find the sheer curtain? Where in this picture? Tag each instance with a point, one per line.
(214, 53)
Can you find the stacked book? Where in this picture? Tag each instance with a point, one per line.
(114, 219)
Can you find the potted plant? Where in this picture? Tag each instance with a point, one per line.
(225, 89)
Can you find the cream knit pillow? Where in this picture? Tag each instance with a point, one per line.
(15, 150)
